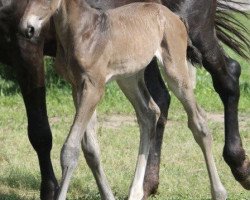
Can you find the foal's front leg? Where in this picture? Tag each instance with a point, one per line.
(88, 93)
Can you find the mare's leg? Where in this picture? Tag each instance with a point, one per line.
(225, 73)
(88, 94)
(29, 64)
(159, 93)
(147, 114)
(179, 82)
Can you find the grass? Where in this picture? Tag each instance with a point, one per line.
(183, 175)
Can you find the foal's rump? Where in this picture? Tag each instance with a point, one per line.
(140, 31)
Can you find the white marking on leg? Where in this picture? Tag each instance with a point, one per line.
(147, 114)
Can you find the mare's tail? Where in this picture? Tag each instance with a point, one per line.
(229, 29)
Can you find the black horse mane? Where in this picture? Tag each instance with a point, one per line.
(229, 29)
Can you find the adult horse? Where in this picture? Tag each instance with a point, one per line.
(26, 57)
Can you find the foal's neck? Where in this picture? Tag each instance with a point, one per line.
(79, 7)
(75, 16)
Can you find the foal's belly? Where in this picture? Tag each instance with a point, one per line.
(125, 68)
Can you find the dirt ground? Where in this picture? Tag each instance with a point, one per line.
(115, 121)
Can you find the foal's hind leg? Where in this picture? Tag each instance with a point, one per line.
(159, 93)
(179, 82)
(147, 114)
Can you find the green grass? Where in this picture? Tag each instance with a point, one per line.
(183, 175)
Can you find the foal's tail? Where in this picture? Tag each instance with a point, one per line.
(229, 29)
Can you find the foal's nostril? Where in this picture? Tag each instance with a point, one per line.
(30, 32)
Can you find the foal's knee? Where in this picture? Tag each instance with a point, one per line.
(69, 156)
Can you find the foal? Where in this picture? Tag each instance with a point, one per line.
(94, 48)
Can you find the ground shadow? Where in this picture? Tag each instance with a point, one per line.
(20, 179)
(11, 196)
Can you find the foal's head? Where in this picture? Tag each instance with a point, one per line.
(36, 15)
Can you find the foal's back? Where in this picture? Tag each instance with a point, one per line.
(107, 4)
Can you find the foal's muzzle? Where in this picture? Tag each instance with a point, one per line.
(29, 32)
(30, 27)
